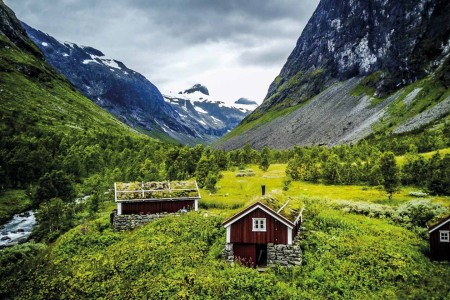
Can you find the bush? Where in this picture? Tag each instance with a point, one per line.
(419, 212)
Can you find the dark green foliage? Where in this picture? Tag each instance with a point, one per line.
(55, 184)
(439, 174)
(18, 263)
(389, 172)
(264, 164)
(210, 182)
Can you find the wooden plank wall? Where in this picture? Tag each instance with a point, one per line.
(439, 250)
(242, 230)
(156, 207)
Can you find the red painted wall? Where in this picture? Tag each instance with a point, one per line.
(241, 230)
(156, 207)
(439, 250)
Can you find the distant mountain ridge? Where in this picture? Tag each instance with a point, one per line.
(215, 118)
(359, 67)
(131, 97)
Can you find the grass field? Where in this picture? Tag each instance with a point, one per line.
(236, 192)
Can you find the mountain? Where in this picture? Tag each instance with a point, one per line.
(45, 124)
(32, 92)
(245, 101)
(359, 67)
(132, 98)
(209, 119)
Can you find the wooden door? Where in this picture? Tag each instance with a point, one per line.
(245, 254)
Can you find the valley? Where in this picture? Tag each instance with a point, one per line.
(355, 130)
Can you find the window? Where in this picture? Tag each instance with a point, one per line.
(445, 236)
(259, 224)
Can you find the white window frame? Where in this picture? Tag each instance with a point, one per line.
(441, 235)
(259, 224)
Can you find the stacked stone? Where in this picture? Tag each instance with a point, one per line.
(284, 255)
(228, 254)
(128, 222)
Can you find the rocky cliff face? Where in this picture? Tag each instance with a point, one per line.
(387, 44)
(401, 40)
(133, 99)
(11, 28)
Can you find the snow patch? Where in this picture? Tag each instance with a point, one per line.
(44, 44)
(200, 110)
(111, 63)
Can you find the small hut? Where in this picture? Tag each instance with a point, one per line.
(254, 234)
(156, 197)
(440, 240)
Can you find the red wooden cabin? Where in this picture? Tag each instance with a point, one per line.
(156, 197)
(440, 240)
(249, 232)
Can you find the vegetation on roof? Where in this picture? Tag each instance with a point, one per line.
(290, 207)
(156, 190)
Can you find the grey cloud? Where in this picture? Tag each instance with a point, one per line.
(166, 39)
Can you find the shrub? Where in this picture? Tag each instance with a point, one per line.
(419, 212)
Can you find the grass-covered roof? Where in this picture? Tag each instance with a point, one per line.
(156, 190)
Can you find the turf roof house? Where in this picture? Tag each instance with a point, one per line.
(260, 235)
(440, 240)
(156, 197)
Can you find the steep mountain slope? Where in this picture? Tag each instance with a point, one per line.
(32, 91)
(46, 126)
(370, 52)
(130, 96)
(208, 118)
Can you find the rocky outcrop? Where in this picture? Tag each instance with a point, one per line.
(403, 40)
(354, 61)
(11, 28)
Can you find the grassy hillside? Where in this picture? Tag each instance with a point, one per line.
(346, 254)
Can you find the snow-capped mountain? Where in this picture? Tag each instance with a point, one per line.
(133, 99)
(209, 118)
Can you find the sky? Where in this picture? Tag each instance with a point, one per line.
(234, 47)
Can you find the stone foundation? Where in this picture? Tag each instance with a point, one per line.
(281, 255)
(128, 222)
(284, 255)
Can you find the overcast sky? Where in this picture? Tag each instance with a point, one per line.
(234, 47)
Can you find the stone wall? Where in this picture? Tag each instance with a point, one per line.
(128, 222)
(284, 255)
(281, 255)
(228, 254)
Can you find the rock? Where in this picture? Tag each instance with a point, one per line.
(20, 230)
(5, 238)
(330, 60)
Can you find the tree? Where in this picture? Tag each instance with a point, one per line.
(293, 169)
(210, 182)
(54, 185)
(389, 173)
(265, 156)
(332, 169)
(202, 171)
